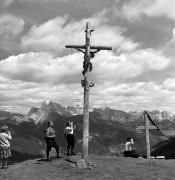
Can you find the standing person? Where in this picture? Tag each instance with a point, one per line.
(50, 140)
(129, 151)
(69, 133)
(5, 152)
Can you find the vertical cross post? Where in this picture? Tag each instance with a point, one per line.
(89, 52)
(86, 96)
(147, 137)
(147, 118)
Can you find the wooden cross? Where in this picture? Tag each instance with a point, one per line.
(147, 127)
(89, 52)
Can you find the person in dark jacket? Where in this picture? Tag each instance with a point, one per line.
(50, 140)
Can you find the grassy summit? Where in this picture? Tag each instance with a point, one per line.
(116, 168)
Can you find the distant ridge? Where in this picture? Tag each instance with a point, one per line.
(114, 115)
(46, 111)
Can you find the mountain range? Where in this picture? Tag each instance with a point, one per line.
(109, 129)
(43, 113)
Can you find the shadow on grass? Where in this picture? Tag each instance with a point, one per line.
(71, 161)
(42, 160)
(19, 157)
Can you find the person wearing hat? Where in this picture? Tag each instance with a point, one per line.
(5, 151)
(50, 136)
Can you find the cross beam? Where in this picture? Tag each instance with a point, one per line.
(147, 127)
(89, 52)
(91, 47)
(143, 127)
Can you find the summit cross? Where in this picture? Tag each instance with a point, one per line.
(89, 52)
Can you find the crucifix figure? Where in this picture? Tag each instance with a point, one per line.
(89, 52)
(147, 120)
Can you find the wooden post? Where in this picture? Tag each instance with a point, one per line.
(86, 96)
(147, 127)
(87, 50)
(147, 137)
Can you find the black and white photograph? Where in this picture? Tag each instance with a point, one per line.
(87, 89)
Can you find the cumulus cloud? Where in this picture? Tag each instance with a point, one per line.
(19, 96)
(42, 68)
(49, 73)
(54, 34)
(8, 2)
(10, 26)
(133, 96)
(134, 9)
(32, 77)
(108, 66)
(169, 84)
(170, 46)
(45, 68)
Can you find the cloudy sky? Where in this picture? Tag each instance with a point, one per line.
(139, 73)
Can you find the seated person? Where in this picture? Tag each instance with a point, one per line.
(129, 151)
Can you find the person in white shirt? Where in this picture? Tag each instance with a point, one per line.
(129, 151)
(128, 144)
(5, 151)
(69, 134)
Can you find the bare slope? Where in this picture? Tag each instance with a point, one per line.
(106, 168)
